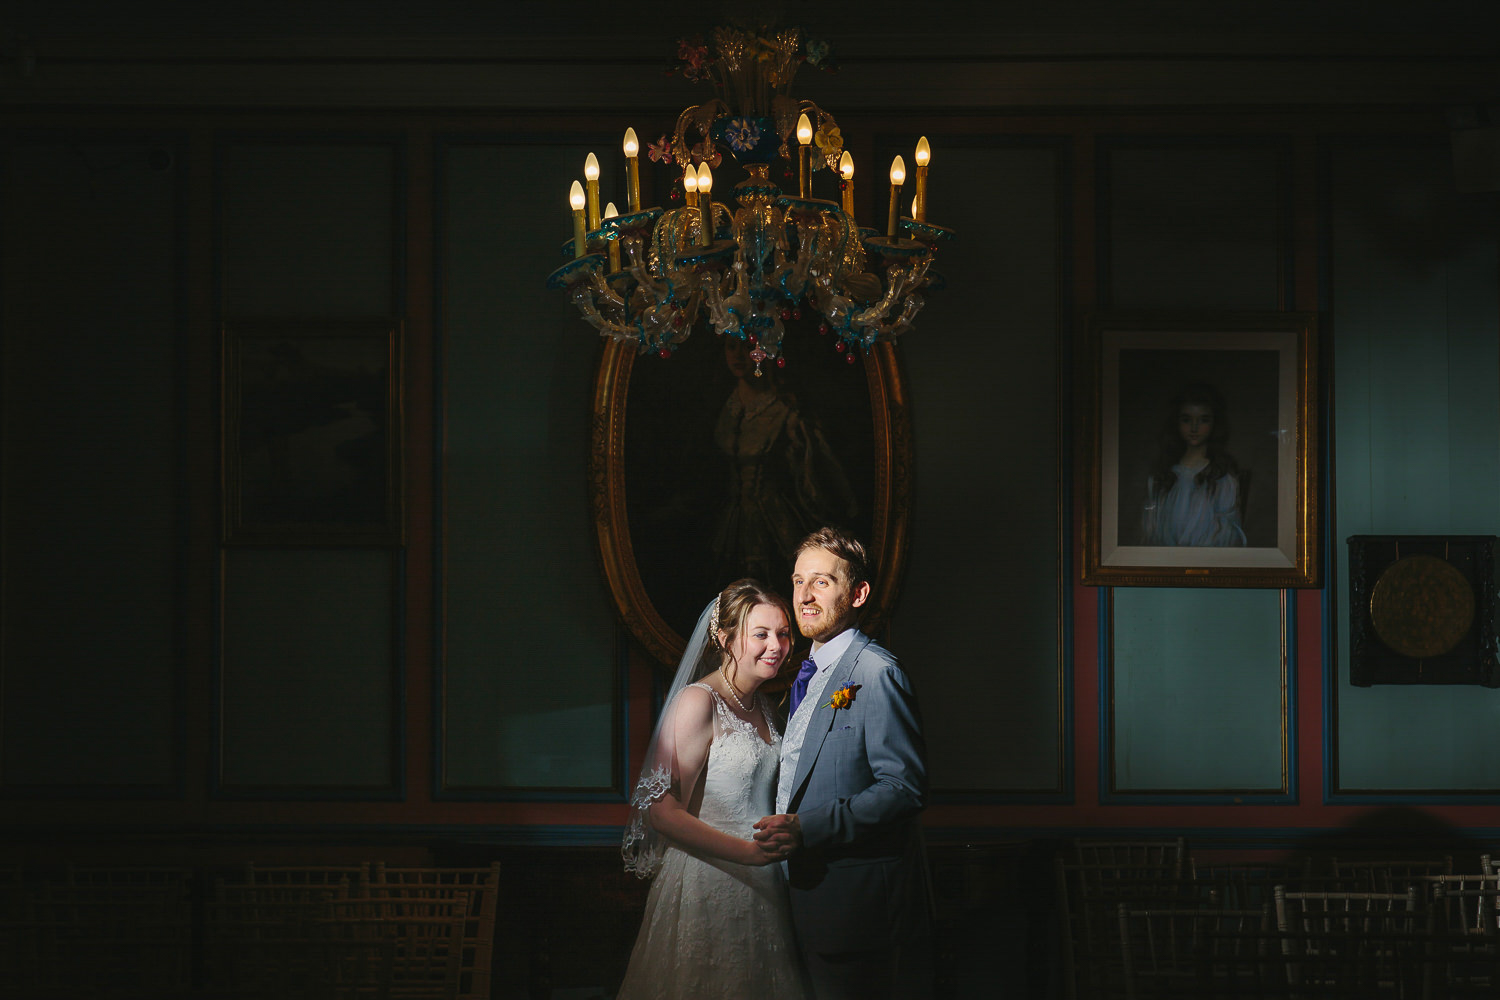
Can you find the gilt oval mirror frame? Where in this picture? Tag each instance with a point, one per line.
(888, 505)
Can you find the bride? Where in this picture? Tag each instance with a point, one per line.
(717, 921)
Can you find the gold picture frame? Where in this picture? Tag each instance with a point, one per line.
(1239, 506)
(838, 388)
(312, 432)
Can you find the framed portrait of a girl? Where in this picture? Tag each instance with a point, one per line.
(1202, 457)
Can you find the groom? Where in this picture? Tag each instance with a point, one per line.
(853, 780)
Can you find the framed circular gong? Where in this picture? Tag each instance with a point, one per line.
(1422, 610)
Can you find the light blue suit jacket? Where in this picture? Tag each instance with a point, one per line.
(860, 880)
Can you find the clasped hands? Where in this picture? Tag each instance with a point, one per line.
(778, 836)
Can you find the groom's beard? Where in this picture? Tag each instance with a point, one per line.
(834, 618)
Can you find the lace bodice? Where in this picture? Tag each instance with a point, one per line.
(739, 780)
(713, 929)
(739, 785)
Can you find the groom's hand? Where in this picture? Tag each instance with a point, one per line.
(779, 835)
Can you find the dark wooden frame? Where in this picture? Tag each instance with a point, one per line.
(344, 351)
(890, 507)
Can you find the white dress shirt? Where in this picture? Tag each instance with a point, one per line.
(825, 656)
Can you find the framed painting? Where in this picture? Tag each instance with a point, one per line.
(1202, 451)
(312, 433)
(703, 472)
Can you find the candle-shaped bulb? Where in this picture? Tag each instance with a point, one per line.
(804, 130)
(577, 200)
(591, 188)
(611, 212)
(919, 203)
(690, 180)
(705, 185)
(632, 169)
(846, 171)
(898, 177)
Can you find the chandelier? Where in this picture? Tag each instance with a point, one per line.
(646, 276)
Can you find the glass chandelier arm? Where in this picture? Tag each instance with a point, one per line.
(604, 295)
(717, 306)
(583, 299)
(634, 251)
(736, 308)
(835, 307)
(842, 249)
(793, 279)
(901, 279)
(895, 328)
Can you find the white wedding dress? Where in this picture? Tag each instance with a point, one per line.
(714, 928)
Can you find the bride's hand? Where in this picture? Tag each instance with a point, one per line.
(759, 853)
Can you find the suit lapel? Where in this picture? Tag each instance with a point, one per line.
(821, 723)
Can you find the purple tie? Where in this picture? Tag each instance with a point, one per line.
(799, 686)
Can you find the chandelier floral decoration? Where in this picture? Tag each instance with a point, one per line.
(648, 275)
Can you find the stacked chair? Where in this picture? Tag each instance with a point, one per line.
(1405, 928)
(1095, 878)
(407, 933)
(352, 932)
(96, 932)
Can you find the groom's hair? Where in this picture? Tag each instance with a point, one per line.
(843, 545)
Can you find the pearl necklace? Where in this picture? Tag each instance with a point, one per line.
(732, 693)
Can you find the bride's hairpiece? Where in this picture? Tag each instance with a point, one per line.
(713, 623)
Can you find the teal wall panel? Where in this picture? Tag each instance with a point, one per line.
(1196, 675)
(1194, 226)
(307, 675)
(1198, 695)
(308, 229)
(978, 624)
(1417, 422)
(308, 681)
(90, 496)
(530, 697)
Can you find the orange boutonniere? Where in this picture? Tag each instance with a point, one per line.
(843, 697)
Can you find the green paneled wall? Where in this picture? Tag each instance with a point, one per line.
(1197, 699)
(1196, 677)
(89, 487)
(308, 229)
(309, 658)
(307, 686)
(529, 639)
(1193, 226)
(978, 623)
(1417, 423)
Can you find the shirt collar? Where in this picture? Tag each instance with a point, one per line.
(829, 653)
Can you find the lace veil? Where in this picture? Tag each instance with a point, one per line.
(642, 847)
